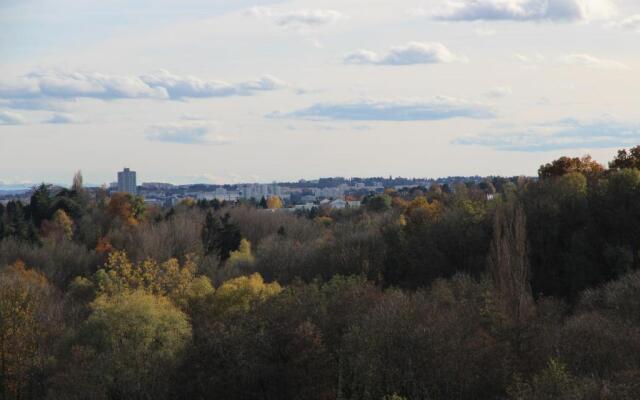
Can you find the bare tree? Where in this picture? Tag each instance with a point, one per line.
(77, 182)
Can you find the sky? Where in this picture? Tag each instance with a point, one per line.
(228, 91)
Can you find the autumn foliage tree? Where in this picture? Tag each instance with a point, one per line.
(564, 165)
(128, 208)
(473, 288)
(274, 202)
(626, 159)
(133, 338)
(30, 317)
(60, 226)
(177, 282)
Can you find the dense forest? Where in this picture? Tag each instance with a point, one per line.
(510, 288)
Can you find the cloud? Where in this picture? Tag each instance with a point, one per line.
(593, 62)
(298, 18)
(437, 109)
(409, 54)
(30, 104)
(526, 10)
(585, 60)
(220, 178)
(11, 118)
(61, 119)
(185, 133)
(533, 59)
(631, 23)
(60, 85)
(566, 134)
(499, 92)
(43, 86)
(179, 87)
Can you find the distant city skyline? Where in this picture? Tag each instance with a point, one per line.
(113, 184)
(229, 91)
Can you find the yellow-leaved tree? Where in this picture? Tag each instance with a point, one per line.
(133, 338)
(420, 211)
(274, 202)
(178, 282)
(60, 226)
(29, 316)
(240, 293)
(242, 256)
(64, 223)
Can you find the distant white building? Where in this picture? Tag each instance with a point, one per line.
(305, 207)
(258, 191)
(220, 194)
(330, 192)
(127, 181)
(339, 204)
(353, 204)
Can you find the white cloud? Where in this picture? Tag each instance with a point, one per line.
(529, 59)
(11, 118)
(565, 134)
(297, 18)
(409, 54)
(526, 10)
(368, 110)
(224, 177)
(178, 87)
(30, 103)
(207, 178)
(499, 92)
(586, 60)
(631, 23)
(593, 62)
(186, 133)
(61, 119)
(362, 57)
(84, 84)
(159, 85)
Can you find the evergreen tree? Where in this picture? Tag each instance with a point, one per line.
(40, 205)
(211, 234)
(16, 225)
(1, 221)
(220, 236)
(230, 238)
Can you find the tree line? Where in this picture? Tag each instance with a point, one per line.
(504, 288)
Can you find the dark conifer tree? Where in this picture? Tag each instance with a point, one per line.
(210, 234)
(40, 205)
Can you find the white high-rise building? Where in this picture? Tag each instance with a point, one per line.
(127, 181)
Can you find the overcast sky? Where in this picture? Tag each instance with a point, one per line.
(232, 91)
